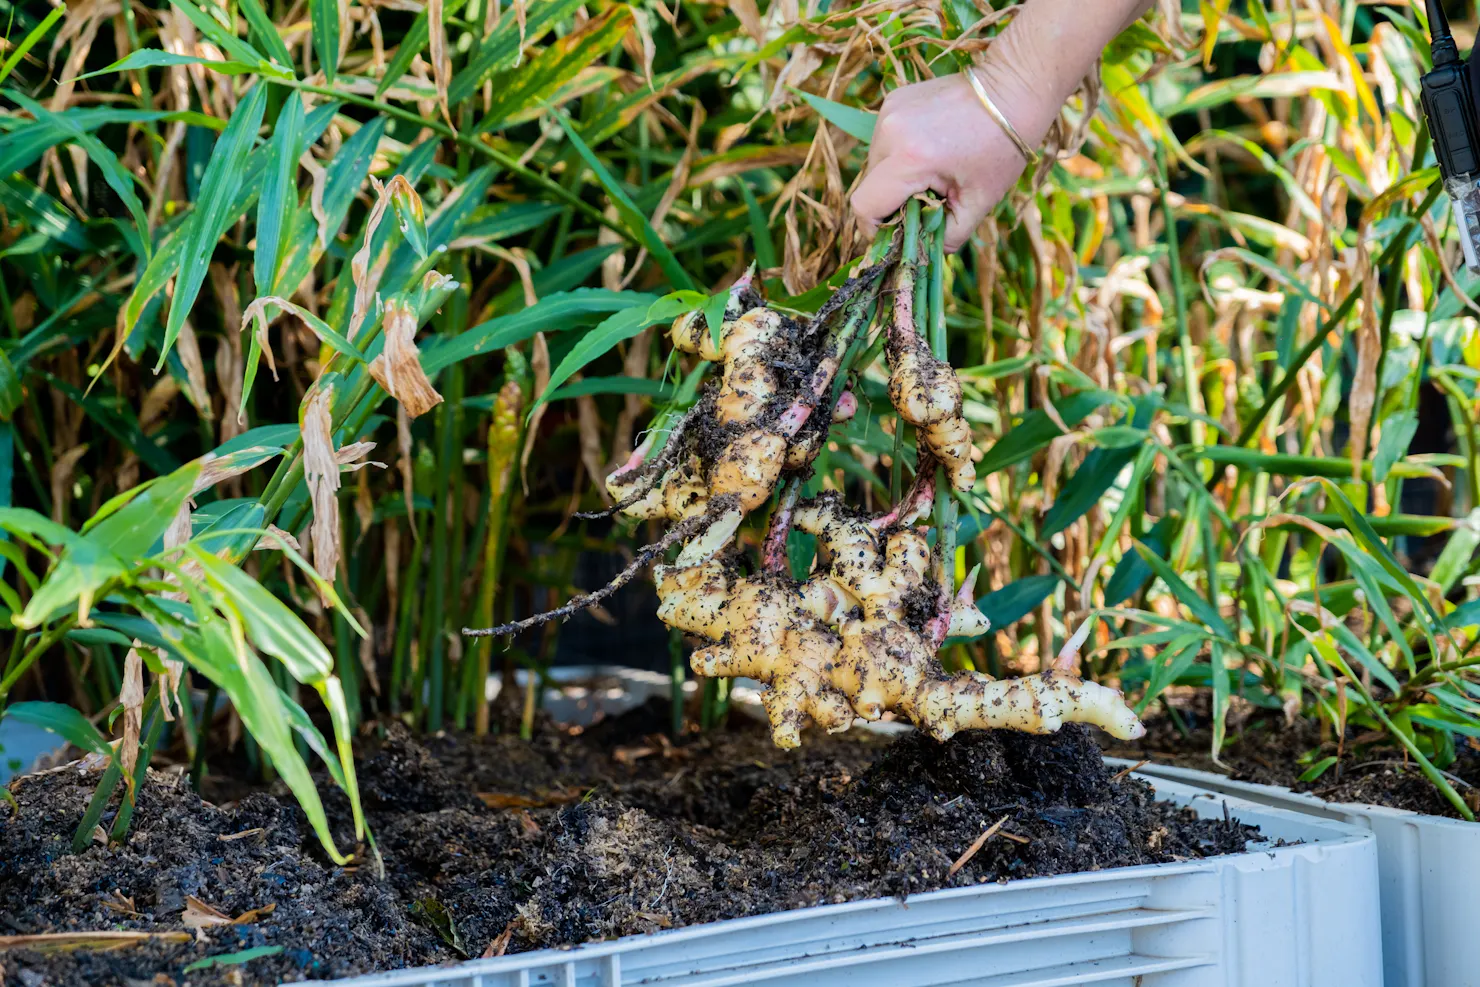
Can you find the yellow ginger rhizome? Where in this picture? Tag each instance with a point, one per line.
(858, 636)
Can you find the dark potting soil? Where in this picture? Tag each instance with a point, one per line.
(1266, 751)
(495, 843)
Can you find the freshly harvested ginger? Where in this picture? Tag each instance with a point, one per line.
(853, 640)
(859, 636)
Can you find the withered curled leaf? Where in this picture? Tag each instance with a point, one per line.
(398, 368)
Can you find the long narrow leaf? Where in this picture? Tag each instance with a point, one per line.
(636, 223)
(277, 198)
(213, 209)
(325, 17)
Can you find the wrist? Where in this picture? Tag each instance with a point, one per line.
(1026, 105)
(1051, 45)
(989, 106)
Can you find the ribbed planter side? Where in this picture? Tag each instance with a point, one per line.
(1428, 872)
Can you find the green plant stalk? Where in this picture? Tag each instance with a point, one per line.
(420, 695)
(1462, 404)
(82, 837)
(16, 668)
(347, 659)
(154, 725)
(676, 677)
(1398, 246)
(459, 685)
(934, 318)
(190, 730)
(1220, 672)
(457, 316)
(722, 701)
(400, 656)
(531, 693)
(1394, 281)
(1190, 379)
(708, 699)
(505, 436)
(198, 763)
(434, 634)
(96, 806)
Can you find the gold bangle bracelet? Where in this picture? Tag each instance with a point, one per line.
(981, 93)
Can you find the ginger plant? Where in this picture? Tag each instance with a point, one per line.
(858, 637)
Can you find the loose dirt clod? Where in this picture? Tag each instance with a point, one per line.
(720, 826)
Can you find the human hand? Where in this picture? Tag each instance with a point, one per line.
(936, 136)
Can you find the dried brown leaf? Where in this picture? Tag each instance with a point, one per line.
(131, 698)
(118, 902)
(188, 348)
(398, 368)
(54, 942)
(319, 176)
(510, 800)
(589, 423)
(441, 65)
(367, 278)
(199, 915)
(244, 834)
(61, 481)
(321, 470)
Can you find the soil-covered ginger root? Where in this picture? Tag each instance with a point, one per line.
(768, 413)
(925, 390)
(859, 637)
(748, 428)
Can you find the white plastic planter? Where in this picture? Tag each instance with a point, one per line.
(1428, 873)
(1303, 915)
(22, 746)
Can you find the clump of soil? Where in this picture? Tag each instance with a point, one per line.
(495, 844)
(1267, 751)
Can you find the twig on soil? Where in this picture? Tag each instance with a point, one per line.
(46, 942)
(981, 840)
(1125, 771)
(499, 943)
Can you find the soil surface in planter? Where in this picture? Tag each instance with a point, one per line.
(1266, 751)
(496, 845)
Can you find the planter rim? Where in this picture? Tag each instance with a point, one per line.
(1198, 778)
